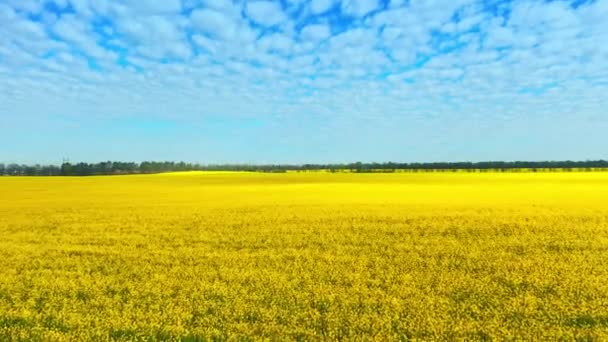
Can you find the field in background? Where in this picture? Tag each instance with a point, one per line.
(305, 256)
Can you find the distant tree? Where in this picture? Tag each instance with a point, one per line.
(31, 170)
(105, 168)
(66, 169)
(110, 167)
(50, 170)
(13, 170)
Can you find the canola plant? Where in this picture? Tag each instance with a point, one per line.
(305, 256)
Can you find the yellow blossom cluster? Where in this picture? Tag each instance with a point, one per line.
(305, 256)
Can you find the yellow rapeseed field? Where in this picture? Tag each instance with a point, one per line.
(305, 256)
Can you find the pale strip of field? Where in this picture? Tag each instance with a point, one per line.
(305, 255)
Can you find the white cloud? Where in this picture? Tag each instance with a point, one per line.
(62, 4)
(77, 32)
(155, 36)
(315, 32)
(73, 30)
(29, 29)
(207, 44)
(354, 37)
(220, 5)
(154, 6)
(404, 54)
(20, 30)
(320, 6)
(7, 13)
(359, 8)
(499, 36)
(30, 6)
(396, 3)
(214, 23)
(276, 42)
(267, 13)
(81, 7)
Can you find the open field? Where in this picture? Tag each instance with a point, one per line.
(305, 256)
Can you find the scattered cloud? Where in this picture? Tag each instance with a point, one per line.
(359, 8)
(214, 23)
(320, 6)
(354, 65)
(316, 32)
(267, 13)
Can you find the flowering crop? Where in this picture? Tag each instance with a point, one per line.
(200, 256)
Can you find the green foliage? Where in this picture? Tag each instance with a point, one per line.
(148, 167)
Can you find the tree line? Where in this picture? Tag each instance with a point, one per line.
(148, 167)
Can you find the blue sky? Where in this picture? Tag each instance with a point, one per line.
(296, 81)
